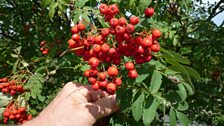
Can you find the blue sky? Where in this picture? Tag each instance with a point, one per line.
(218, 19)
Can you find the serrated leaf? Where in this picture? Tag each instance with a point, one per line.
(150, 112)
(86, 18)
(172, 118)
(45, 3)
(193, 73)
(85, 67)
(137, 107)
(182, 91)
(130, 2)
(27, 96)
(141, 78)
(184, 121)
(182, 106)
(105, 25)
(156, 82)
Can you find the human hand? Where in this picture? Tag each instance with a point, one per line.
(76, 105)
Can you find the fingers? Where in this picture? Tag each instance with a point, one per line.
(104, 107)
(91, 95)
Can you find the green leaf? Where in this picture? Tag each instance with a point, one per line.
(189, 88)
(85, 67)
(86, 18)
(180, 58)
(25, 64)
(150, 112)
(141, 78)
(193, 73)
(41, 98)
(15, 66)
(80, 3)
(143, 4)
(105, 25)
(52, 9)
(14, 55)
(182, 106)
(130, 2)
(137, 107)
(183, 118)
(156, 82)
(45, 3)
(182, 91)
(172, 117)
(4, 103)
(75, 18)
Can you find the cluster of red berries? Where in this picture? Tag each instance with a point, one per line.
(16, 114)
(43, 49)
(109, 45)
(10, 87)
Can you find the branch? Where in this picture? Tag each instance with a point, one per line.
(213, 14)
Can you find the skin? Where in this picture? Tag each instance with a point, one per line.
(76, 105)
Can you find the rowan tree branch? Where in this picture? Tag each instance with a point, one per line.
(213, 13)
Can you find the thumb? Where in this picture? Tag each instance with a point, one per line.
(104, 106)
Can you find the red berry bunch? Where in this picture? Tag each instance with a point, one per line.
(10, 87)
(109, 45)
(149, 12)
(16, 114)
(43, 49)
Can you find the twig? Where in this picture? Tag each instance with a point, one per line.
(69, 50)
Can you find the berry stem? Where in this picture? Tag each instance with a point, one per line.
(69, 50)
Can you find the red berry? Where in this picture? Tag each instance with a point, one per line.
(113, 9)
(6, 84)
(92, 80)
(22, 109)
(148, 58)
(134, 20)
(111, 88)
(1, 86)
(103, 83)
(96, 48)
(45, 52)
(118, 81)
(96, 86)
(155, 47)
(76, 37)
(122, 21)
(11, 117)
(112, 51)
(6, 113)
(112, 71)
(93, 62)
(14, 87)
(5, 90)
(149, 12)
(138, 40)
(87, 73)
(130, 28)
(19, 88)
(71, 43)
(98, 39)
(29, 117)
(105, 32)
(114, 22)
(119, 30)
(81, 27)
(42, 43)
(102, 75)
(12, 92)
(132, 74)
(105, 47)
(14, 111)
(17, 116)
(156, 33)
(74, 30)
(146, 42)
(129, 66)
(103, 8)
